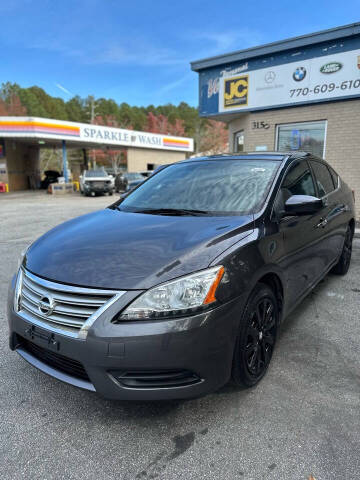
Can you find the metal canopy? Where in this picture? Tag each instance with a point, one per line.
(34, 130)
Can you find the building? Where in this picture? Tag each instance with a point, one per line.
(22, 137)
(298, 94)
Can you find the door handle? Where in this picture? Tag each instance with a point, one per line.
(323, 222)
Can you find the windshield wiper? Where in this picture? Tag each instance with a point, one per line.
(173, 211)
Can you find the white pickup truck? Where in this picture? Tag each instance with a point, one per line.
(93, 182)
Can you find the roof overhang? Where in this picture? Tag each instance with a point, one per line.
(36, 130)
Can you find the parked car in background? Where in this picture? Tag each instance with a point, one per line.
(182, 285)
(127, 181)
(147, 173)
(94, 182)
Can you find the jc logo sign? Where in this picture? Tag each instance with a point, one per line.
(236, 91)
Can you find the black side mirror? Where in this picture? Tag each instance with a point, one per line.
(303, 205)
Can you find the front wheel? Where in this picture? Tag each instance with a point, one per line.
(342, 267)
(256, 338)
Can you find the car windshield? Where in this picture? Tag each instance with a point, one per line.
(218, 187)
(96, 173)
(134, 176)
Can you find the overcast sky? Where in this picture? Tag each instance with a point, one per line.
(139, 51)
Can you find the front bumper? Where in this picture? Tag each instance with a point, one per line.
(201, 345)
(98, 189)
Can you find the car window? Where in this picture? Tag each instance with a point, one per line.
(216, 186)
(335, 177)
(323, 178)
(96, 173)
(298, 181)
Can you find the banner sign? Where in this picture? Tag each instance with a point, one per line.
(322, 78)
(90, 134)
(313, 74)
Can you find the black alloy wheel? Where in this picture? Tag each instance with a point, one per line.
(257, 336)
(342, 267)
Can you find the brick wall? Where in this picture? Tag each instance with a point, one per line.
(138, 158)
(342, 149)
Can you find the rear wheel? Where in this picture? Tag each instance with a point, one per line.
(256, 337)
(342, 267)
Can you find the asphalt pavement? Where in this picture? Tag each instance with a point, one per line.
(303, 418)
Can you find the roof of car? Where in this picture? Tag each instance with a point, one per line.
(246, 155)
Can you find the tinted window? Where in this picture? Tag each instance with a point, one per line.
(134, 176)
(323, 178)
(96, 173)
(335, 177)
(218, 186)
(298, 181)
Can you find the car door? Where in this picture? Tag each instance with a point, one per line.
(301, 261)
(332, 218)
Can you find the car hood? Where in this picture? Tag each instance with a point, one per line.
(96, 179)
(122, 250)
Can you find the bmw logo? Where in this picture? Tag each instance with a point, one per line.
(299, 74)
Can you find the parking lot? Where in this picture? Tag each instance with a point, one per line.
(302, 419)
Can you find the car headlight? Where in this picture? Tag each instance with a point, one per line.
(184, 296)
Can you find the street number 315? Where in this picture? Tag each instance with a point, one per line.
(259, 125)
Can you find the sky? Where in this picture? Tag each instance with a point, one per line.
(139, 51)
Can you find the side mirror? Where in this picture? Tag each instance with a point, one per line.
(303, 205)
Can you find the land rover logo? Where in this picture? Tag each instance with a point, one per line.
(331, 67)
(46, 305)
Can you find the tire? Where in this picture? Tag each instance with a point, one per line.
(110, 193)
(256, 338)
(342, 267)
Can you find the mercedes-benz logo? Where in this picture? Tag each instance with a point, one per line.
(46, 305)
(270, 76)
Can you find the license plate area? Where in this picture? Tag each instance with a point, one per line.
(42, 337)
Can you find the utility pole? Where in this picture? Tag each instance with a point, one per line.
(92, 111)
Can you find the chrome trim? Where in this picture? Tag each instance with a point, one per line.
(27, 294)
(18, 286)
(68, 288)
(86, 327)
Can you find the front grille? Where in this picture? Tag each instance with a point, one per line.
(98, 184)
(156, 378)
(57, 304)
(55, 360)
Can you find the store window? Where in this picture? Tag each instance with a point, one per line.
(307, 137)
(239, 141)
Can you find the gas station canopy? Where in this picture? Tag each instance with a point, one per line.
(82, 135)
(21, 139)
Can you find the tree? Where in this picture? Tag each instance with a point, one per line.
(76, 110)
(212, 138)
(10, 103)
